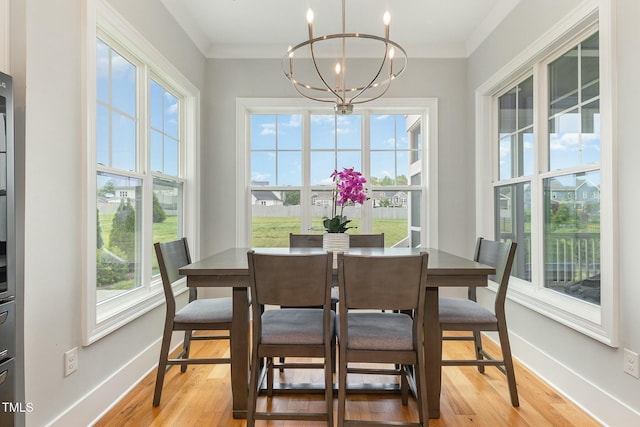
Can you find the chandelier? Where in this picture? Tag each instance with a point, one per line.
(315, 77)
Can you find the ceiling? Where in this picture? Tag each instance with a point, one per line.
(265, 28)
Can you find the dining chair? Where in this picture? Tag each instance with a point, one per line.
(365, 336)
(206, 314)
(304, 331)
(465, 314)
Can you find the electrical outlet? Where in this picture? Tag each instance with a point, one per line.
(631, 363)
(70, 361)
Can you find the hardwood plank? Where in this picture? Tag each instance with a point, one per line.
(202, 396)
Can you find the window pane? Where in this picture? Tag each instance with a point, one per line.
(349, 131)
(170, 156)
(591, 133)
(263, 132)
(163, 115)
(513, 204)
(563, 82)
(275, 214)
(102, 71)
(289, 168)
(323, 163)
(156, 151)
(119, 228)
(525, 103)
(123, 143)
(167, 213)
(590, 55)
(390, 155)
(516, 131)
(390, 216)
(507, 111)
(382, 132)
(155, 105)
(263, 168)
(348, 159)
(115, 109)
(289, 132)
(123, 84)
(171, 111)
(574, 138)
(102, 135)
(572, 235)
(276, 157)
(323, 131)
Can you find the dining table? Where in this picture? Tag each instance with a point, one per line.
(229, 269)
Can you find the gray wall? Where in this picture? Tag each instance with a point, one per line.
(577, 364)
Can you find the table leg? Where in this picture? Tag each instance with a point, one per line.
(433, 351)
(240, 352)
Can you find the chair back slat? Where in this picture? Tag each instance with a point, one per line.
(171, 257)
(366, 240)
(305, 240)
(380, 282)
(499, 255)
(290, 280)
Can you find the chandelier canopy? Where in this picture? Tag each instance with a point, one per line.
(314, 75)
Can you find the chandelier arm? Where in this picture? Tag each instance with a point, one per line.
(402, 59)
(315, 65)
(384, 59)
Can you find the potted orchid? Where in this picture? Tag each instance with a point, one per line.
(348, 188)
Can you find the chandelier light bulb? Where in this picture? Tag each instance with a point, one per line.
(392, 53)
(386, 18)
(338, 68)
(309, 16)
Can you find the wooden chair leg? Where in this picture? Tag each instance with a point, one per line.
(186, 346)
(253, 390)
(477, 340)
(269, 363)
(404, 386)
(162, 366)
(342, 391)
(329, 369)
(508, 366)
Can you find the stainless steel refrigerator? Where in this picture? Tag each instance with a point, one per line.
(8, 405)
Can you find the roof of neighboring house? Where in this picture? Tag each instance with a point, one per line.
(265, 195)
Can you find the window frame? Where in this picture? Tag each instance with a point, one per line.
(101, 20)
(425, 107)
(598, 322)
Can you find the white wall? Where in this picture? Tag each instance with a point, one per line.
(50, 76)
(589, 371)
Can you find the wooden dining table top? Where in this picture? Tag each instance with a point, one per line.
(444, 269)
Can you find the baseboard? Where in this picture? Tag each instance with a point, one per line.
(602, 406)
(97, 402)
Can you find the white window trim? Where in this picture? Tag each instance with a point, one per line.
(426, 107)
(600, 323)
(99, 323)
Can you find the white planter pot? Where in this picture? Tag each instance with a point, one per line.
(335, 242)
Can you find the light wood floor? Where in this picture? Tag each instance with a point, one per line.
(202, 397)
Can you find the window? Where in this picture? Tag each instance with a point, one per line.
(140, 158)
(290, 157)
(550, 175)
